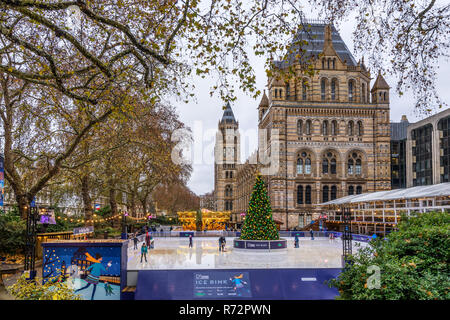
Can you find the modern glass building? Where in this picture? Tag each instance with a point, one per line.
(427, 150)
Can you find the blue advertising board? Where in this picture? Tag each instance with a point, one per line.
(256, 284)
(221, 284)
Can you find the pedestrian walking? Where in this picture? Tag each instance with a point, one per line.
(296, 241)
(190, 241)
(312, 234)
(135, 240)
(144, 251)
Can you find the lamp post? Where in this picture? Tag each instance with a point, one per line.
(346, 236)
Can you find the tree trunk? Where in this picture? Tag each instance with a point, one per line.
(113, 205)
(86, 201)
(23, 203)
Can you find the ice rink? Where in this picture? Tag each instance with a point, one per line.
(174, 253)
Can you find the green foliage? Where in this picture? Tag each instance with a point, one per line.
(105, 211)
(413, 263)
(258, 223)
(35, 290)
(12, 232)
(163, 220)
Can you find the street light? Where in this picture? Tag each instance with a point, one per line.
(30, 243)
(346, 236)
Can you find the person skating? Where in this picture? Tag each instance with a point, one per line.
(296, 242)
(147, 239)
(224, 242)
(220, 243)
(96, 270)
(144, 251)
(190, 241)
(135, 240)
(312, 234)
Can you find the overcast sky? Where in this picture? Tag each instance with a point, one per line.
(202, 116)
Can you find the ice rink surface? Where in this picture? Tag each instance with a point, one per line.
(174, 253)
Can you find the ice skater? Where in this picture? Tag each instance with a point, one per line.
(190, 241)
(296, 241)
(223, 243)
(144, 252)
(108, 289)
(331, 237)
(135, 240)
(312, 234)
(96, 270)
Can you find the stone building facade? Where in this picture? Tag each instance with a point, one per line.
(329, 131)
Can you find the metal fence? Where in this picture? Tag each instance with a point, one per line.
(231, 234)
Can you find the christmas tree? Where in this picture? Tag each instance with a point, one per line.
(258, 223)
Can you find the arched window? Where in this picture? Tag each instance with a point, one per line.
(304, 163)
(360, 129)
(334, 128)
(358, 166)
(329, 163)
(328, 63)
(333, 166)
(308, 127)
(228, 191)
(308, 166)
(308, 195)
(350, 90)
(299, 127)
(231, 174)
(276, 93)
(333, 89)
(350, 128)
(334, 63)
(333, 195)
(358, 190)
(226, 174)
(304, 90)
(323, 89)
(323, 63)
(281, 93)
(354, 164)
(299, 166)
(384, 97)
(351, 190)
(325, 127)
(288, 91)
(325, 192)
(325, 166)
(350, 166)
(300, 194)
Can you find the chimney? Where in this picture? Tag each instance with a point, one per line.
(404, 118)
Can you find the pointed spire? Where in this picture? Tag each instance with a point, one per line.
(264, 100)
(380, 83)
(228, 115)
(328, 48)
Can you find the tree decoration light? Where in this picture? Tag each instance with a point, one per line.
(258, 223)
